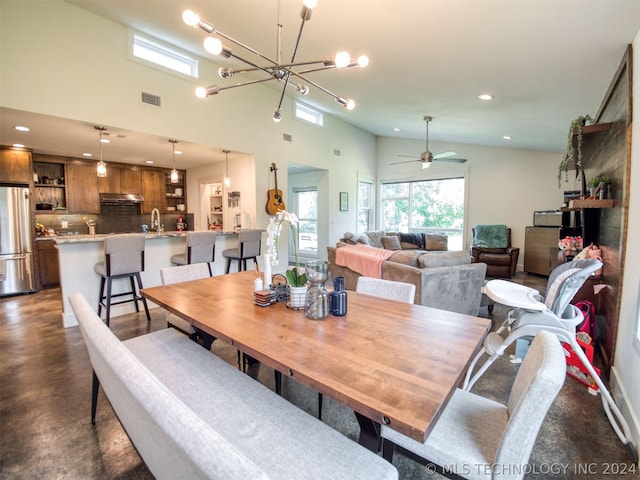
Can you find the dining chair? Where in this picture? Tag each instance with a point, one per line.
(200, 247)
(123, 258)
(476, 437)
(249, 242)
(378, 287)
(186, 273)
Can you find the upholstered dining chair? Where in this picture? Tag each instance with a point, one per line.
(476, 437)
(378, 287)
(184, 273)
(123, 258)
(248, 248)
(200, 247)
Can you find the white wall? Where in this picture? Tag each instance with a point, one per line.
(504, 185)
(624, 374)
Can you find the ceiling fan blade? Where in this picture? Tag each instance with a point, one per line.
(406, 161)
(409, 156)
(450, 153)
(451, 160)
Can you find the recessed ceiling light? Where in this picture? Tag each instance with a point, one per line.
(396, 129)
(507, 137)
(148, 161)
(178, 152)
(22, 128)
(86, 154)
(18, 145)
(105, 140)
(485, 96)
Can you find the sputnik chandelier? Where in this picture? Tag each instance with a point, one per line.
(276, 69)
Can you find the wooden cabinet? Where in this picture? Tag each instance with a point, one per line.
(82, 192)
(48, 264)
(15, 166)
(130, 181)
(121, 179)
(49, 187)
(539, 242)
(153, 190)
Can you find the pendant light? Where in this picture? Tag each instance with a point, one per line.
(174, 172)
(227, 180)
(101, 167)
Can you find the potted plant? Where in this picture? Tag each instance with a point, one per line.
(573, 154)
(595, 182)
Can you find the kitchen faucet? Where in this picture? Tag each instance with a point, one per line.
(155, 219)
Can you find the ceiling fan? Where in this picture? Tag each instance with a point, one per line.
(426, 157)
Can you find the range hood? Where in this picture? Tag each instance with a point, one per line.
(120, 198)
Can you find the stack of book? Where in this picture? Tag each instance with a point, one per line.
(264, 298)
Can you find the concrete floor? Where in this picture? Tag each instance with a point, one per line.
(45, 429)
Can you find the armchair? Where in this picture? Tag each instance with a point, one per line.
(501, 262)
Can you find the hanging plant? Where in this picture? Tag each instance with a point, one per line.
(573, 154)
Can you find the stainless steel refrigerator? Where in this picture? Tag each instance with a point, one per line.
(16, 246)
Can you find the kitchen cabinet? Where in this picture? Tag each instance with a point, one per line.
(175, 193)
(48, 264)
(153, 190)
(15, 166)
(82, 194)
(49, 187)
(121, 180)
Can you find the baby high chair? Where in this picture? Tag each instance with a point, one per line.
(553, 313)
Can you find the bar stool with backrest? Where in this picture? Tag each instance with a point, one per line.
(249, 242)
(124, 258)
(200, 248)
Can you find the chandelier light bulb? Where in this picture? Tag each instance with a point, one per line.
(351, 104)
(310, 3)
(277, 115)
(363, 61)
(343, 59)
(201, 92)
(213, 45)
(191, 18)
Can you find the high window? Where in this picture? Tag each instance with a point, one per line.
(427, 206)
(153, 51)
(308, 114)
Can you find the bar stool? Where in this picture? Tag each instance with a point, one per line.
(200, 248)
(124, 258)
(249, 242)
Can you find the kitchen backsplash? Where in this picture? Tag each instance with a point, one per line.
(77, 224)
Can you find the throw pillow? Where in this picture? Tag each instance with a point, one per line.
(436, 242)
(375, 238)
(353, 238)
(391, 243)
(444, 259)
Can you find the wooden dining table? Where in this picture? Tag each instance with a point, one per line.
(392, 363)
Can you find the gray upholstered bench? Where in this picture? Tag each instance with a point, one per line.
(192, 415)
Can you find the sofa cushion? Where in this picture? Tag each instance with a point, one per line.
(391, 242)
(375, 238)
(435, 242)
(352, 238)
(406, 257)
(443, 259)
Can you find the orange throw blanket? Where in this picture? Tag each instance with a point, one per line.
(363, 259)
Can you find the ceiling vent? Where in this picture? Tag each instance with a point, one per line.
(287, 138)
(151, 99)
(336, 152)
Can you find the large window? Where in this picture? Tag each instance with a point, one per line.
(306, 202)
(365, 205)
(428, 206)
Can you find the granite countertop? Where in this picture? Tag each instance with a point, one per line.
(59, 239)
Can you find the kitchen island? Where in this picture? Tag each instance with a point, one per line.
(79, 253)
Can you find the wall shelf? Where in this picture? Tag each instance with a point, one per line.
(589, 203)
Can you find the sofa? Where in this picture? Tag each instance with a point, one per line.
(444, 279)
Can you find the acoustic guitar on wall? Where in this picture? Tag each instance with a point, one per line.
(274, 200)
